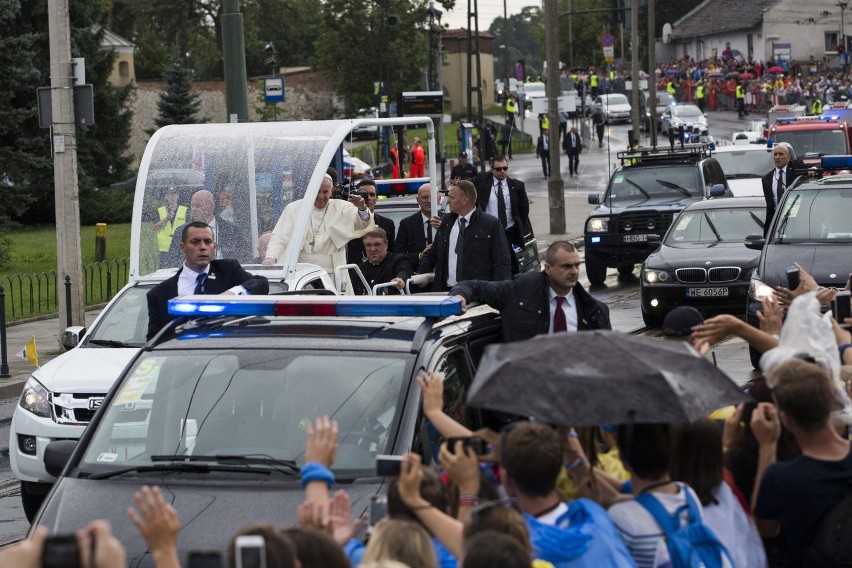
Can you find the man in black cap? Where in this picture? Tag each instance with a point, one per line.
(679, 322)
(464, 169)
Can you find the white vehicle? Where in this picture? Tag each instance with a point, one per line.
(744, 166)
(533, 90)
(266, 166)
(687, 115)
(615, 106)
(754, 132)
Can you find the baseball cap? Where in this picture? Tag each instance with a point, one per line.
(680, 321)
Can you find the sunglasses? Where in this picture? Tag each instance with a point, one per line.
(501, 169)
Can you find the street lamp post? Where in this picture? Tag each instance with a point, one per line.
(272, 61)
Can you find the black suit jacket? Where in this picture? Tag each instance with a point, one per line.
(393, 266)
(539, 146)
(570, 148)
(767, 181)
(485, 255)
(231, 242)
(355, 248)
(411, 239)
(518, 201)
(524, 304)
(224, 274)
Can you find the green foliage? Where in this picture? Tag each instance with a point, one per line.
(361, 42)
(5, 248)
(107, 205)
(178, 104)
(525, 41)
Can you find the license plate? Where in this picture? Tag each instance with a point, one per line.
(707, 292)
(636, 238)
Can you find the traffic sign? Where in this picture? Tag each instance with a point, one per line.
(273, 89)
(609, 54)
(607, 40)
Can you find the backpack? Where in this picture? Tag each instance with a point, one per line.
(693, 545)
(832, 545)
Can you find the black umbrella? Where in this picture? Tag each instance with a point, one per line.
(732, 75)
(597, 377)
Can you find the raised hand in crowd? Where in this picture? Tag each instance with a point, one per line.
(462, 465)
(26, 553)
(109, 552)
(432, 386)
(715, 329)
(320, 453)
(159, 525)
(772, 315)
(733, 428)
(806, 284)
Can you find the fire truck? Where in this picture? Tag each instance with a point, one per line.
(813, 136)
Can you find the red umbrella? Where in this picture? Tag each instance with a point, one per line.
(746, 76)
(776, 69)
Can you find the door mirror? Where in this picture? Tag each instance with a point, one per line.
(73, 336)
(594, 199)
(57, 454)
(754, 242)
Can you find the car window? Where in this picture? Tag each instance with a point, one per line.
(685, 111)
(815, 216)
(713, 175)
(458, 376)
(126, 319)
(807, 141)
(716, 225)
(745, 163)
(646, 183)
(616, 99)
(250, 402)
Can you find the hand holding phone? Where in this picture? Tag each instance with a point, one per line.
(479, 446)
(250, 551)
(793, 278)
(842, 308)
(389, 466)
(61, 551)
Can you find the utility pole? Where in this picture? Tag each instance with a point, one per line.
(506, 90)
(234, 54)
(555, 185)
(64, 140)
(652, 77)
(634, 62)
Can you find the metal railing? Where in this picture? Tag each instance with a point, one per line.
(29, 295)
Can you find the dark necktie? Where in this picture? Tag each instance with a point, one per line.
(780, 185)
(199, 283)
(559, 322)
(428, 233)
(501, 204)
(460, 248)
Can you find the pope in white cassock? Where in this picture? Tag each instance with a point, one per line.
(333, 223)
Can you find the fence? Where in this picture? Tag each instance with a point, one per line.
(29, 295)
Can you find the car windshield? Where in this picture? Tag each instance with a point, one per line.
(815, 216)
(664, 99)
(249, 402)
(825, 142)
(645, 183)
(686, 111)
(715, 225)
(126, 320)
(616, 99)
(745, 163)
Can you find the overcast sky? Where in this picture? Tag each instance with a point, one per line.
(488, 11)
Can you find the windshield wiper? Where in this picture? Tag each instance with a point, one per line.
(672, 185)
(184, 467)
(712, 227)
(783, 226)
(757, 219)
(290, 466)
(110, 343)
(639, 187)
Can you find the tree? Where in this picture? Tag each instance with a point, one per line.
(178, 104)
(526, 41)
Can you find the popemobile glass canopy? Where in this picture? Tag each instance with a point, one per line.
(251, 171)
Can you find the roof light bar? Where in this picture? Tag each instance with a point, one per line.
(296, 306)
(836, 162)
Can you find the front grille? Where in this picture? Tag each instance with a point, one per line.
(724, 274)
(691, 275)
(644, 222)
(74, 408)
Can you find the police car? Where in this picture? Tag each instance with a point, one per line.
(215, 408)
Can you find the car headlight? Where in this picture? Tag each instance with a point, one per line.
(759, 290)
(35, 399)
(597, 225)
(652, 276)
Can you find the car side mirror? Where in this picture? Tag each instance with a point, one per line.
(73, 336)
(594, 199)
(754, 242)
(718, 190)
(56, 456)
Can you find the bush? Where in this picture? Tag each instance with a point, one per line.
(109, 205)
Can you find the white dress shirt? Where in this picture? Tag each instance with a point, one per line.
(569, 306)
(491, 206)
(775, 183)
(189, 278)
(451, 254)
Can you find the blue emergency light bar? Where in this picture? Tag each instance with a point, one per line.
(836, 162)
(821, 118)
(304, 306)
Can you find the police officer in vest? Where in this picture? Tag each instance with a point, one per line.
(740, 94)
(816, 107)
(699, 95)
(172, 217)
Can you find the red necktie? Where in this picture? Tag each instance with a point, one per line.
(559, 323)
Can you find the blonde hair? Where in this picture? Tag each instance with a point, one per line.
(403, 541)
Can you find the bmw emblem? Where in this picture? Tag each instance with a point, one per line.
(628, 226)
(708, 263)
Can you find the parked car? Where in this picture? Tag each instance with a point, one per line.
(811, 227)
(644, 195)
(217, 413)
(687, 115)
(744, 166)
(615, 106)
(532, 90)
(663, 100)
(355, 168)
(702, 261)
(371, 132)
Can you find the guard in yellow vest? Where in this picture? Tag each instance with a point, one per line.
(172, 216)
(699, 95)
(670, 89)
(510, 111)
(740, 94)
(816, 107)
(593, 81)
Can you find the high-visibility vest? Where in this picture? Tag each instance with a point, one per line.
(699, 92)
(670, 88)
(612, 75)
(510, 106)
(593, 80)
(816, 107)
(545, 122)
(164, 235)
(739, 92)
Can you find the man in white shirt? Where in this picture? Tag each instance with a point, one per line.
(776, 182)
